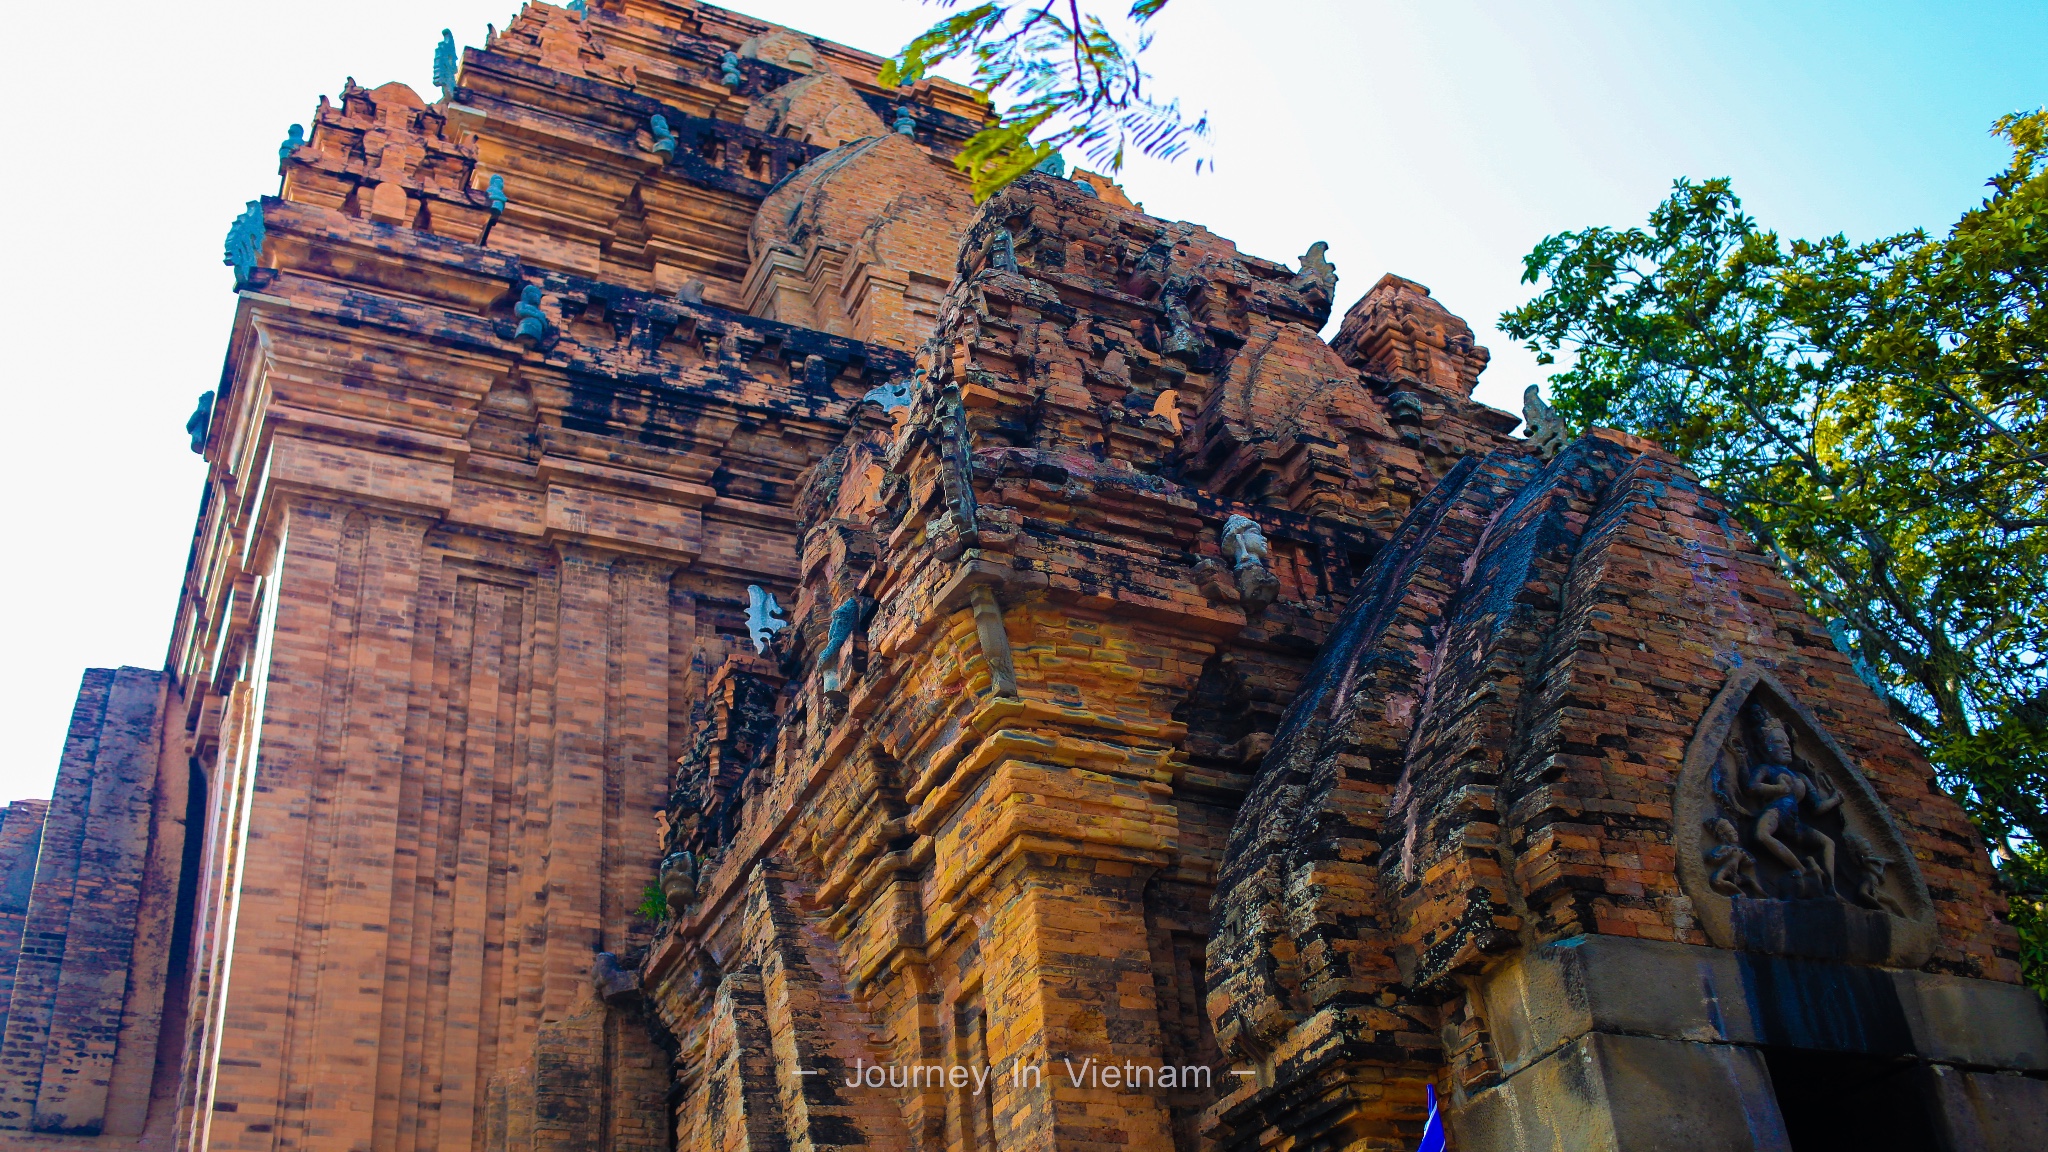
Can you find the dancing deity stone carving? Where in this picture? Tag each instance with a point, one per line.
(1788, 801)
(1783, 847)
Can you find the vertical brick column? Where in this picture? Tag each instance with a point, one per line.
(304, 985)
(575, 803)
(78, 940)
(640, 769)
(1052, 859)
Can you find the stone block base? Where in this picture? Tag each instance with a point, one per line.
(1613, 1045)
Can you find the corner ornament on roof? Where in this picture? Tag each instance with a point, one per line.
(444, 64)
(245, 244)
(764, 617)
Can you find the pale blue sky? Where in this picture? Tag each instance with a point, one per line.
(1436, 140)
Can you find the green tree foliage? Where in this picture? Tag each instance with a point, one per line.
(653, 904)
(1063, 75)
(1873, 414)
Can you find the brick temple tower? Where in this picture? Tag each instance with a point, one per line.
(698, 636)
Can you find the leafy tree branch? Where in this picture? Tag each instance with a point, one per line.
(1056, 76)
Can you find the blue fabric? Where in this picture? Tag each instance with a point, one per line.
(1433, 1131)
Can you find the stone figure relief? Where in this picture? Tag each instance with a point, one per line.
(1781, 808)
(1783, 847)
(1244, 545)
(1734, 868)
(1003, 251)
(1183, 342)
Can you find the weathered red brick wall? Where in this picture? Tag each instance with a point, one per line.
(1159, 685)
(78, 939)
(21, 835)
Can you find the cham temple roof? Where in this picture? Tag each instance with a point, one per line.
(698, 636)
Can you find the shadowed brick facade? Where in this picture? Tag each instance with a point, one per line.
(1163, 690)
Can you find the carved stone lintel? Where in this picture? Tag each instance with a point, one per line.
(995, 641)
(1783, 847)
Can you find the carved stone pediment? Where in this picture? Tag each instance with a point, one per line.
(1782, 845)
